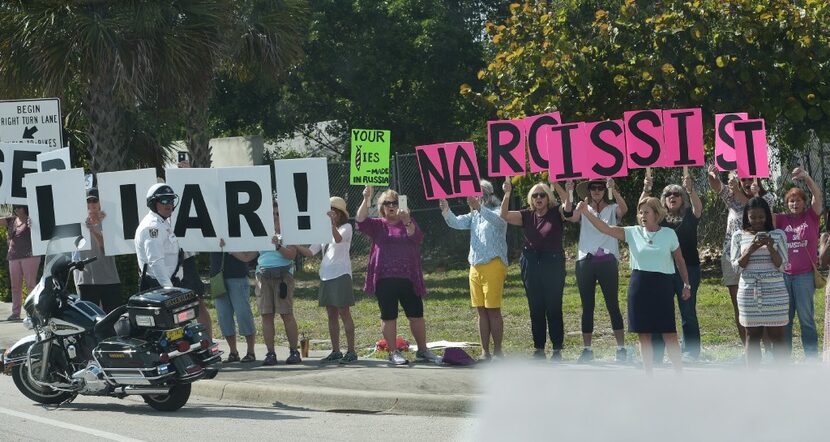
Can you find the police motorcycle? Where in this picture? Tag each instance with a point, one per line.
(152, 346)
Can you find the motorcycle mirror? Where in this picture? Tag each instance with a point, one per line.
(80, 242)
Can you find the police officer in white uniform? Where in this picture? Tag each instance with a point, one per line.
(156, 246)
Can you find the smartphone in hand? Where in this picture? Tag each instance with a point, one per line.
(402, 203)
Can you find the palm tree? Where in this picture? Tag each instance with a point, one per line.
(263, 38)
(111, 54)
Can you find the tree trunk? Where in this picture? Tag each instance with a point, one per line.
(197, 125)
(107, 135)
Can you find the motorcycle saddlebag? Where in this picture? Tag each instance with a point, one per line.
(163, 309)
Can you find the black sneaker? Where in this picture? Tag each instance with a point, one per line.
(556, 356)
(294, 357)
(539, 353)
(586, 357)
(270, 358)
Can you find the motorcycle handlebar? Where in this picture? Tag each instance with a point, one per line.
(81, 264)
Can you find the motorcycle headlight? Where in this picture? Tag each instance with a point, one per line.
(145, 321)
(28, 323)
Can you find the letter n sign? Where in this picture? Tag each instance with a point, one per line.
(449, 170)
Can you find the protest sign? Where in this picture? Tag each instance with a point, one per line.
(644, 139)
(57, 208)
(565, 142)
(506, 148)
(370, 157)
(725, 141)
(536, 128)
(57, 159)
(198, 220)
(246, 199)
(18, 160)
(604, 153)
(449, 170)
(751, 148)
(683, 137)
(123, 198)
(303, 207)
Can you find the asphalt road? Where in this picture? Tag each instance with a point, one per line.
(96, 418)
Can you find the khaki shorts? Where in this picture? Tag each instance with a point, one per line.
(268, 295)
(487, 284)
(729, 275)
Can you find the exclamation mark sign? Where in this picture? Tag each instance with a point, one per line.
(301, 193)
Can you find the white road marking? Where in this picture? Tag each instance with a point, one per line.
(59, 424)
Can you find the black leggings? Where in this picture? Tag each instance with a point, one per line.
(588, 273)
(543, 275)
(390, 291)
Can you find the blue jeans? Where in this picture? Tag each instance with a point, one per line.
(236, 301)
(688, 317)
(543, 275)
(802, 288)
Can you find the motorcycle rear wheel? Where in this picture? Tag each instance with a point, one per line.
(43, 395)
(172, 401)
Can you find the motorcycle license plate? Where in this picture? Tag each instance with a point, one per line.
(176, 333)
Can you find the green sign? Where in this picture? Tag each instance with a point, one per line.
(370, 157)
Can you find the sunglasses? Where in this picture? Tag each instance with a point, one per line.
(390, 203)
(167, 201)
(92, 200)
(592, 188)
(672, 194)
(539, 195)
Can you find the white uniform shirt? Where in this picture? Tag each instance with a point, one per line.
(336, 261)
(591, 239)
(156, 245)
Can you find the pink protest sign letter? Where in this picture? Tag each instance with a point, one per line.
(604, 152)
(644, 139)
(683, 137)
(536, 128)
(751, 148)
(506, 148)
(725, 141)
(565, 142)
(449, 170)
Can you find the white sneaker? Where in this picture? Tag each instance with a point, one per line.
(427, 356)
(396, 358)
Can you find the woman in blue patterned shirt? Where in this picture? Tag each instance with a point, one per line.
(488, 262)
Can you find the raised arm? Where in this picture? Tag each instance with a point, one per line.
(824, 251)
(462, 222)
(647, 183)
(622, 207)
(511, 216)
(363, 210)
(817, 202)
(565, 197)
(697, 204)
(613, 231)
(714, 181)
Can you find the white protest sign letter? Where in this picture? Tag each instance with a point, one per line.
(123, 199)
(57, 206)
(303, 196)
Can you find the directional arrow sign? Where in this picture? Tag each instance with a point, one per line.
(36, 121)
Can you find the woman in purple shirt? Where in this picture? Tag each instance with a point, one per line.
(394, 272)
(801, 225)
(542, 262)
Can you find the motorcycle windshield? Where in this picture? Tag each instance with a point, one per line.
(42, 297)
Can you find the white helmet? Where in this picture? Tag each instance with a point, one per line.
(159, 192)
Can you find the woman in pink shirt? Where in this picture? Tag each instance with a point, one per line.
(22, 265)
(801, 225)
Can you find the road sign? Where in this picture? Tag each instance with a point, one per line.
(36, 121)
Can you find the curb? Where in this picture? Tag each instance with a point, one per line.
(335, 399)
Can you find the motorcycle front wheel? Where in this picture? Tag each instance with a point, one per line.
(43, 395)
(172, 401)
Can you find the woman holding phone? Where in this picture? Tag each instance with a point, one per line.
(759, 256)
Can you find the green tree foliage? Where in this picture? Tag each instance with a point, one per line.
(394, 65)
(592, 60)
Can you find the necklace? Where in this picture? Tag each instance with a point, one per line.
(650, 237)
